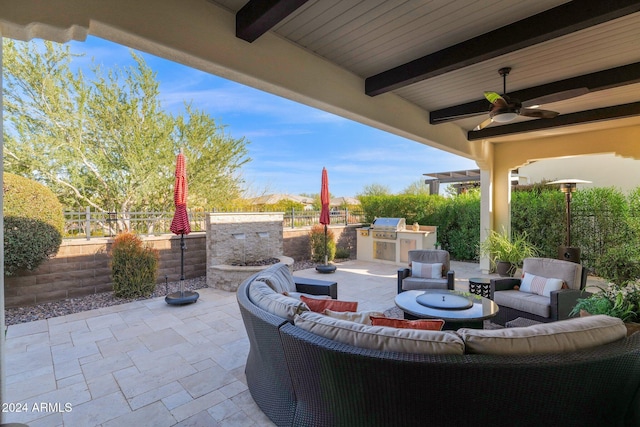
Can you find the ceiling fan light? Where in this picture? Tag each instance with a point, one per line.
(504, 117)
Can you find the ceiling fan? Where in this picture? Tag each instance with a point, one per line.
(505, 109)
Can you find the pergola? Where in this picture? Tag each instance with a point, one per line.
(417, 69)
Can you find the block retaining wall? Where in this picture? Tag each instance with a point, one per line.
(81, 267)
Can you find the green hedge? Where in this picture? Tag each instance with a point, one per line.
(602, 218)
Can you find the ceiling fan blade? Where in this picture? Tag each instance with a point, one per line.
(541, 114)
(495, 99)
(456, 117)
(484, 124)
(556, 97)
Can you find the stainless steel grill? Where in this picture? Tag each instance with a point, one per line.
(387, 228)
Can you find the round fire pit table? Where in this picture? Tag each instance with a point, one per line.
(459, 309)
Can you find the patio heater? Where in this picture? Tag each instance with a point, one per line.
(568, 252)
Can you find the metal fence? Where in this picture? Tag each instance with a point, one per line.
(92, 223)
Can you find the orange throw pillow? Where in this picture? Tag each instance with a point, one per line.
(426, 324)
(320, 305)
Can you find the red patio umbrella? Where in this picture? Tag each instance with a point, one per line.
(180, 225)
(325, 219)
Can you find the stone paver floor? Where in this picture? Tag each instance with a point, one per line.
(146, 363)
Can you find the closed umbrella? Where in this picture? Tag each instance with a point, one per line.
(180, 225)
(325, 219)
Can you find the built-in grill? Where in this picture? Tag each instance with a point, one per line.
(387, 228)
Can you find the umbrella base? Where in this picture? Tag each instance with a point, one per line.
(325, 268)
(182, 298)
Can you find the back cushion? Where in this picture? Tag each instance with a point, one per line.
(569, 272)
(272, 302)
(430, 256)
(426, 271)
(363, 317)
(380, 337)
(278, 277)
(555, 337)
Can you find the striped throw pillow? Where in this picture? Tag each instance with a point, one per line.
(426, 271)
(539, 285)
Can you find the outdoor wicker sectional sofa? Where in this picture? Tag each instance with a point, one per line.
(300, 378)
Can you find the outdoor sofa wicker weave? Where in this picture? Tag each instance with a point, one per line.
(301, 379)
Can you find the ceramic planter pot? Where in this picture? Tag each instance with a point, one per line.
(505, 269)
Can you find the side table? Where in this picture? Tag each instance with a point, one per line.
(480, 286)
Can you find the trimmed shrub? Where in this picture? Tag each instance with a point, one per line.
(27, 243)
(134, 267)
(342, 253)
(619, 264)
(33, 224)
(316, 239)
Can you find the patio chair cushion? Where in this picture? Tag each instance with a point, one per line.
(363, 317)
(554, 337)
(278, 277)
(320, 305)
(417, 283)
(569, 272)
(524, 301)
(540, 285)
(424, 324)
(273, 302)
(381, 337)
(426, 270)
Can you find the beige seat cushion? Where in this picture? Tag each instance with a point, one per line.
(273, 302)
(555, 337)
(417, 283)
(524, 301)
(380, 337)
(278, 277)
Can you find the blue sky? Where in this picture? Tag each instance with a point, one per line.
(289, 142)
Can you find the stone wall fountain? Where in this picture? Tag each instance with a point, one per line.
(241, 244)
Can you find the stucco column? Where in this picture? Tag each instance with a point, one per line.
(483, 153)
(2, 323)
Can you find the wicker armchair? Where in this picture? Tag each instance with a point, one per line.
(514, 302)
(407, 280)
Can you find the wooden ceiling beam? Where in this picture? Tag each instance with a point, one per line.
(556, 22)
(606, 79)
(257, 17)
(581, 117)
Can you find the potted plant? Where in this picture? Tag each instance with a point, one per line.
(506, 254)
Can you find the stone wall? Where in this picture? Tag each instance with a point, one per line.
(81, 267)
(298, 247)
(239, 238)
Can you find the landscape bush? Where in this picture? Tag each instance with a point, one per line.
(134, 267)
(317, 242)
(602, 218)
(33, 224)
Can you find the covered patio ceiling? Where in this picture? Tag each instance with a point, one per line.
(441, 56)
